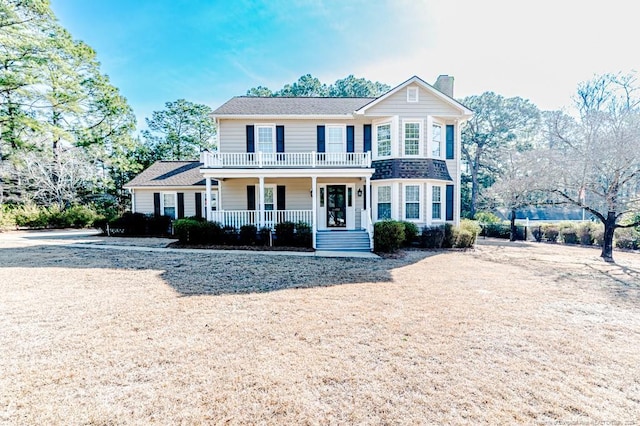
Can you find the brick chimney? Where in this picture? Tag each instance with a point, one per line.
(444, 83)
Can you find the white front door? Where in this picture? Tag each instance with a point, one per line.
(336, 206)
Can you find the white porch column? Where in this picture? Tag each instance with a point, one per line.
(314, 211)
(368, 192)
(219, 206)
(207, 195)
(261, 202)
(133, 200)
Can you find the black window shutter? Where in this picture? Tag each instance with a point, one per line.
(251, 147)
(367, 137)
(450, 144)
(180, 205)
(279, 138)
(198, 204)
(156, 204)
(366, 191)
(350, 139)
(449, 210)
(251, 197)
(280, 198)
(320, 138)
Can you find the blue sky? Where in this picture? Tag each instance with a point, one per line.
(208, 51)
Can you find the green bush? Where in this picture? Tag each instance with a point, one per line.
(432, 237)
(188, 231)
(496, 230)
(449, 236)
(303, 235)
(568, 233)
(264, 236)
(627, 238)
(410, 233)
(31, 216)
(598, 236)
(538, 233)
(471, 226)
(248, 235)
(7, 218)
(486, 217)
(464, 238)
(388, 235)
(550, 232)
(285, 234)
(138, 224)
(586, 233)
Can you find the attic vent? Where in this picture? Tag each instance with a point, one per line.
(412, 94)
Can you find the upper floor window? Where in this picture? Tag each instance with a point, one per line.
(436, 202)
(266, 138)
(383, 138)
(335, 139)
(412, 94)
(436, 141)
(412, 138)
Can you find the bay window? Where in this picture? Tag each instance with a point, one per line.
(436, 202)
(411, 138)
(412, 202)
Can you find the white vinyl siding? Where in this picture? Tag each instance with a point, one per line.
(428, 104)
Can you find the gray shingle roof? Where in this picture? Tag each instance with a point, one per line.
(170, 173)
(417, 168)
(249, 105)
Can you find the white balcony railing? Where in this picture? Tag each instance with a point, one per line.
(219, 160)
(238, 218)
(365, 222)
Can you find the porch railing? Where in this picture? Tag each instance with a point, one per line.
(219, 160)
(238, 218)
(365, 222)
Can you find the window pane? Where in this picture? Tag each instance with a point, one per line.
(411, 138)
(384, 211)
(384, 139)
(384, 194)
(437, 140)
(412, 210)
(412, 193)
(435, 211)
(265, 139)
(436, 194)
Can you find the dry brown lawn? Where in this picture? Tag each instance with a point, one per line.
(504, 334)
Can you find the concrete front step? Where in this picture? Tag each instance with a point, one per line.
(354, 240)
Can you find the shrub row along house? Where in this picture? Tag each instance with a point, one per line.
(338, 164)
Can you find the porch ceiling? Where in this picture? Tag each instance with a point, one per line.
(287, 173)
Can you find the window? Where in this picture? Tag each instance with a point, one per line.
(411, 138)
(412, 202)
(335, 139)
(265, 136)
(436, 140)
(384, 202)
(214, 200)
(412, 94)
(383, 137)
(269, 198)
(169, 205)
(436, 204)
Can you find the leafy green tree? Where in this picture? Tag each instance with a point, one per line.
(499, 125)
(309, 86)
(351, 86)
(181, 131)
(260, 92)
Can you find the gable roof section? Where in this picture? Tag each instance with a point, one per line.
(296, 106)
(170, 173)
(426, 86)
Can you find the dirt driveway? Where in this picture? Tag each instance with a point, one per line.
(506, 333)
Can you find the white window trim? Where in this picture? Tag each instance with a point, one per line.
(442, 195)
(420, 123)
(344, 136)
(271, 126)
(442, 138)
(175, 201)
(275, 194)
(413, 94)
(420, 201)
(214, 193)
(374, 137)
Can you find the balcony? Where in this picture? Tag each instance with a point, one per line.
(299, 160)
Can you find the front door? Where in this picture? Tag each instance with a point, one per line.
(336, 206)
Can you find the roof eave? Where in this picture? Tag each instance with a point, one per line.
(282, 116)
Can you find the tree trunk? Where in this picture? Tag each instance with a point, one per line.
(607, 244)
(512, 233)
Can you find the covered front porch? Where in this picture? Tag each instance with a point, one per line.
(324, 201)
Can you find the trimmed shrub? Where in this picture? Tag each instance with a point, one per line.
(248, 235)
(303, 235)
(464, 239)
(486, 218)
(598, 237)
(188, 231)
(264, 236)
(388, 235)
(471, 226)
(586, 233)
(449, 236)
(496, 230)
(432, 237)
(410, 233)
(538, 233)
(627, 238)
(285, 234)
(568, 233)
(231, 237)
(138, 224)
(551, 232)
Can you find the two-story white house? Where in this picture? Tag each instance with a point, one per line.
(338, 164)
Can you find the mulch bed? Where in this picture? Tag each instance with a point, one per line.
(178, 244)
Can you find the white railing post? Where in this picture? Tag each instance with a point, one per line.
(314, 215)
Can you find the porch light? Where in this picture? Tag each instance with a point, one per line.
(359, 192)
(311, 192)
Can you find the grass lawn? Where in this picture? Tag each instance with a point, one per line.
(506, 333)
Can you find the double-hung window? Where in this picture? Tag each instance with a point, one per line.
(436, 140)
(269, 198)
(383, 138)
(336, 139)
(169, 204)
(384, 202)
(436, 202)
(412, 202)
(412, 138)
(266, 138)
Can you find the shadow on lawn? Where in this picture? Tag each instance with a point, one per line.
(209, 274)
